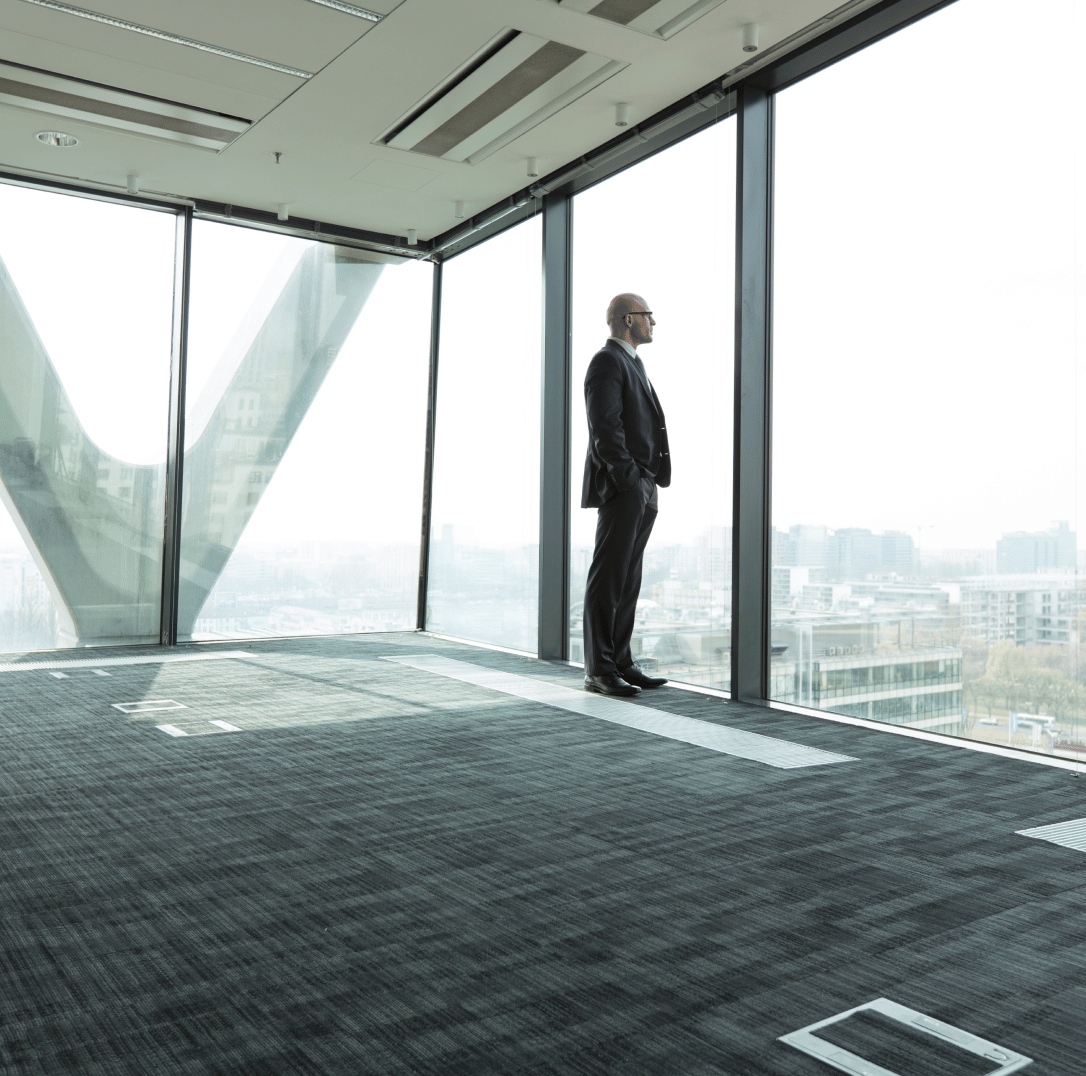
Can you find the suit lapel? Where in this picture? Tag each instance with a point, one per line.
(642, 377)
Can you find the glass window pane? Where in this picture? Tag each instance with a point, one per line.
(665, 230)
(927, 448)
(86, 311)
(484, 548)
(304, 438)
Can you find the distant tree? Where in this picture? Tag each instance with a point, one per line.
(973, 658)
(1008, 666)
(1041, 688)
(969, 719)
(1037, 679)
(988, 692)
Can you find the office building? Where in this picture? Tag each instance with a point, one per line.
(802, 544)
(921, 689)
(854, 553)
(297, 302)
(1021, 553)
(849, 553)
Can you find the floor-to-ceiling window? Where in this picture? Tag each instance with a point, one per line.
(304, 437)
(86, 308)
(928, 370)
(484, 545)
(665, 229)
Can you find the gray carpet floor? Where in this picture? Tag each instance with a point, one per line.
(392, 872)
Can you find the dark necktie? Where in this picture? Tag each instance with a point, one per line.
(641, 370)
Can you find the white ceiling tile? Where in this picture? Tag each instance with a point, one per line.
(293, 32)
(135, 77)
(326, 126)
(401, 177)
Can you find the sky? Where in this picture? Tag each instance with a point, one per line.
(928, 290)
(926, 316)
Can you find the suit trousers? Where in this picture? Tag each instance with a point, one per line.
(614, 577)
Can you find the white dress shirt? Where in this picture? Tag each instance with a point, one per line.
(629, 348)
(632, 352)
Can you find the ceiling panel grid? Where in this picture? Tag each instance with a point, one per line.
(391, 132)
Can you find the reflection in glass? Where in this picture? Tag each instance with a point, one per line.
(304, 438)
(86, 306)
(484, 548)
(633, 233)
(927, 377)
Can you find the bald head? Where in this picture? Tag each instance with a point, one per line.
(619, 307)
(630, 319)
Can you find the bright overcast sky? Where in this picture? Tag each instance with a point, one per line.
(927, 282)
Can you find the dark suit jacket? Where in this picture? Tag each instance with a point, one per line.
(627, 435)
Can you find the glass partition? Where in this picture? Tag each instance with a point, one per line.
(928, 342)
(484, 547)
(665, 229)
(304, 437)
(86, 309)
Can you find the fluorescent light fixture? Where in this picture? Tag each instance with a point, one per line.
(104, 106)
(350, 9)
(174, 39)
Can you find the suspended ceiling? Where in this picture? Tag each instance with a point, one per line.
(349, 135)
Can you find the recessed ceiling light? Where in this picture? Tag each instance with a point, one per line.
(57, 138)
(64, 100)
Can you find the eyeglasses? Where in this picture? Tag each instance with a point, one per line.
(644, 313)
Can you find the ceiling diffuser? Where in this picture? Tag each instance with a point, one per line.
(661, 18)
(104, 106)
(508, 89)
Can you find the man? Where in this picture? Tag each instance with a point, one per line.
(627, 459)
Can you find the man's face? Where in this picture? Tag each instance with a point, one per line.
(641, 324)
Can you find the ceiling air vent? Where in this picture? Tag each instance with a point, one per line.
(661, 18)
(514, 84)
(104, 106)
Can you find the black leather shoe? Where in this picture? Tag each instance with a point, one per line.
(610, 684)
(634, 675)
